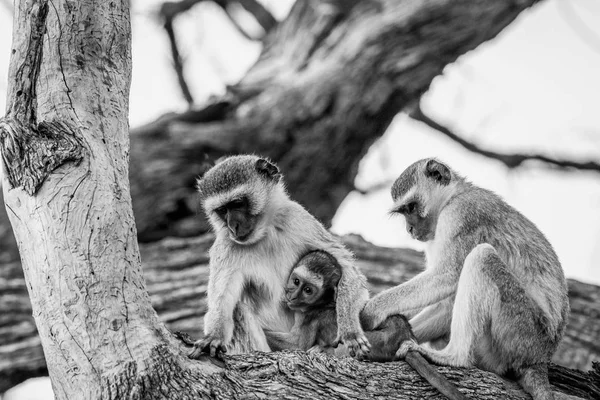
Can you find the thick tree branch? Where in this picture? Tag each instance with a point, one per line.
(176, 273)
(263, 16)
(331, 76)
(510, 160)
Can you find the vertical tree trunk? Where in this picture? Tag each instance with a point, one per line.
(65, 149)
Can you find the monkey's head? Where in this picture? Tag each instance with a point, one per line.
(237, 194)
(313, 282)
(420, 193)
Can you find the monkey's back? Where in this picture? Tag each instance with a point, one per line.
(481, 216)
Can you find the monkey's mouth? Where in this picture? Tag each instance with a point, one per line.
(241, 239)
(293, 306)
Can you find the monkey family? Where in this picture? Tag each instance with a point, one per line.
(493, 292)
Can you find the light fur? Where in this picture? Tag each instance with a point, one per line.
(254, 273)
(493, 285)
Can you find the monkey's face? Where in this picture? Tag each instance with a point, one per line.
(419, 194)
(313, 281)
(237, 194)
(237, 217)
(419, 225)
(304, 289)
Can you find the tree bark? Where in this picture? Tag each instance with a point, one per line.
(65, 144)
(176, 274)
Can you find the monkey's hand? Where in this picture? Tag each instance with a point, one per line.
(208, 345)
(357, 343)
(405, 347)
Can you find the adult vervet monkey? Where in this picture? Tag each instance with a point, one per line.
(492, 282)
(260, 234)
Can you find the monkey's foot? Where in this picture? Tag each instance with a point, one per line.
(209, 345)
(357, 343)
(405, 347)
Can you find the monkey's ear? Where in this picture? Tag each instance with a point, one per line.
(267, 169)
(438, 172)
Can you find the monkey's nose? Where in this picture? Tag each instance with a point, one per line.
(410, 229)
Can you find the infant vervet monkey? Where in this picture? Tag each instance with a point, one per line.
(311, 294)
(492, 284)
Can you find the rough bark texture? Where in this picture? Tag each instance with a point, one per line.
(176, 274)
(68, 101)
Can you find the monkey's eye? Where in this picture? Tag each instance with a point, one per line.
(237, 203)
(411, 207)
(296, 281)
(221, 210)
(307, 290)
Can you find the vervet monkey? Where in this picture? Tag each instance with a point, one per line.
(311, 293)
(492, 283)
(260, 233)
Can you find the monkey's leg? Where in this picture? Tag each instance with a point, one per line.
(248, 335)
(433, 322)
(475, 299)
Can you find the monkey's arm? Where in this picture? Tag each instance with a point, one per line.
(225, 285)
(424, 289)
(352, 294)
(352, 289)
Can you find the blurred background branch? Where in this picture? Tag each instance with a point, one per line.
(510, 160)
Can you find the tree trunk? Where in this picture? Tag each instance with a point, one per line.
(65, 144)
(176, 273)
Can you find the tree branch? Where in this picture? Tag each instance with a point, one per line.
(177, 62)
(510, 160)
(266, 20)
(176, 272)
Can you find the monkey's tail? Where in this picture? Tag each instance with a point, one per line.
(534, 380)
(436, 379)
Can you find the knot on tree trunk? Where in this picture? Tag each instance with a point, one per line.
(30, 153)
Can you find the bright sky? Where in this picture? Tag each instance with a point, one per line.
(535, 88)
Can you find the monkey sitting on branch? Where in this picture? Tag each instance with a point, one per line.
(311, 293)
(259, 234)
(492, 284)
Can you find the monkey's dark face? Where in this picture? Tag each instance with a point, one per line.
(419, 194)
(306, 291)
(313, 281)
(419, 226)
(303, 290)
(237, 195)
(238, 219)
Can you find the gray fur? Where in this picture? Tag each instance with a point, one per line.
(493, 268)
(247, 278)
(228, 174)
(405, 181)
